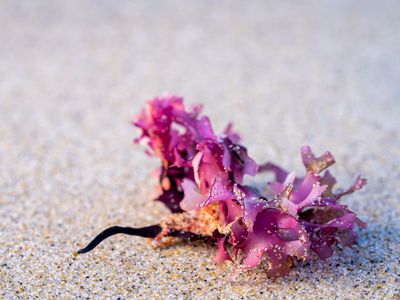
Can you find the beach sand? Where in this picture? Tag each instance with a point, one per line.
(74, 73)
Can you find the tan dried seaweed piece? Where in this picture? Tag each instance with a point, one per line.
(316, 164)
(202, 222)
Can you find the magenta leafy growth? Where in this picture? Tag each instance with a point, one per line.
(201, 178)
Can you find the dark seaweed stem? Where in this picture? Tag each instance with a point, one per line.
(147, 232)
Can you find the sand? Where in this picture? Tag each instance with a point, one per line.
(74, 73)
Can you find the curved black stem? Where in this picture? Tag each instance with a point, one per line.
(148, 232)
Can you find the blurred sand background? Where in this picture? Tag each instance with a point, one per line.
(74, 73)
